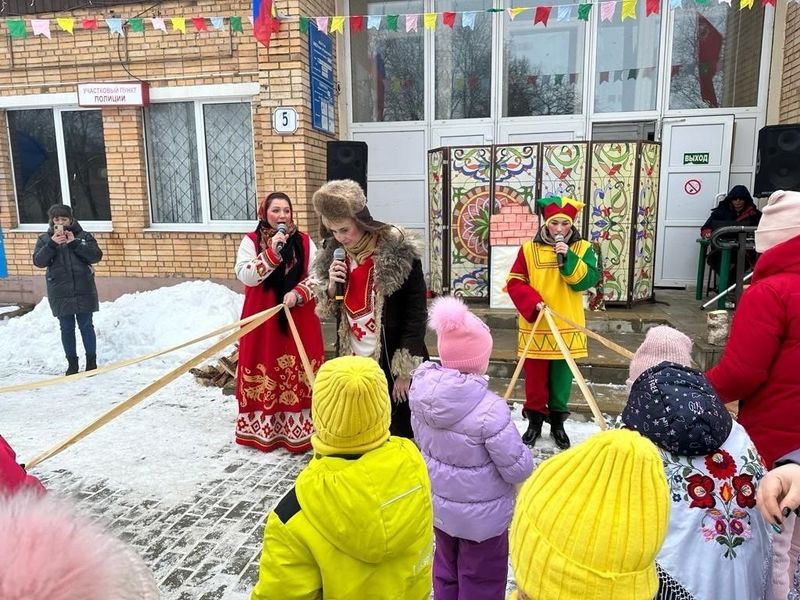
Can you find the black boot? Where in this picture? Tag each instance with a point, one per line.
(72, 365)
(557, 429)
(534, 431)
(91, 362)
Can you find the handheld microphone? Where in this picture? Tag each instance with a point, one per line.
(559, 257)
(339, 254)
(281, 229)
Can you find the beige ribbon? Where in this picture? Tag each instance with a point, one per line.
(253, 322)
(606, 342)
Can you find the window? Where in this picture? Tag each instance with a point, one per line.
(387, 68)
(59, 156)
(200, 162)
(626, 75)
(543, 66)
(716, 54)
(464, 62)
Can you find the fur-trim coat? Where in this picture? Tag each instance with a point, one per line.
(401, 309)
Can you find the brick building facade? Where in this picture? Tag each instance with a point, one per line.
(37, 73)
(790, 90)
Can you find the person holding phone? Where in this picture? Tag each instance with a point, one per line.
(69, 253)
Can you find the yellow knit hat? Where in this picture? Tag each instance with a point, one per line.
(350, 406)
(589, 522)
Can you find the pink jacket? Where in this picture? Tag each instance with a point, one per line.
(12, 476)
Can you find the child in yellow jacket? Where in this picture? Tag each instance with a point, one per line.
(359, 521)
(551, 269)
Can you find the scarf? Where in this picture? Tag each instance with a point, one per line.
(287, 275)
(363, 248)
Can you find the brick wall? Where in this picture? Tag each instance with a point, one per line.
(790, 91)
(293, 163)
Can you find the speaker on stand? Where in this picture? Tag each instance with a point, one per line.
(778, 161)
(348, 160)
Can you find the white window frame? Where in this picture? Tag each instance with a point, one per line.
(201, 96)
(66, 199)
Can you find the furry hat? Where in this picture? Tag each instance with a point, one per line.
(661, 344)
(48, 551)
(465, 342)
(343, 199)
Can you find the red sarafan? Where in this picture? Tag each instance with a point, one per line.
(48, 551)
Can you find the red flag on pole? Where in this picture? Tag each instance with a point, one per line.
(542, 15)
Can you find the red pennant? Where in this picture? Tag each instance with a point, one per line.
(357, 23)
(532, 79)
(767, 2)
(89, 24)
(199, 23)
(542, 15)
(652, 7)
(449, 18)
(603, 76)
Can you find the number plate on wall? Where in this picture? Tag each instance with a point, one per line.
(284, 119)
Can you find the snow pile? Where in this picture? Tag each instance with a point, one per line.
(132, 325)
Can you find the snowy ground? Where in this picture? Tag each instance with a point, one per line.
(166, 475)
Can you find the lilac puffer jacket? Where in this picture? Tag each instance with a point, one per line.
(472, 448)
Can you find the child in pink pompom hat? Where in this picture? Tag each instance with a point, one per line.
(474, 454)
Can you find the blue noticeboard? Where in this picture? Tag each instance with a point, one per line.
(321, 61)
(3, 263)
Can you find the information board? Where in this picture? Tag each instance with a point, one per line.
(321, 61)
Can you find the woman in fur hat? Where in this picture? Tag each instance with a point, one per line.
(383, 310)
(272, 390)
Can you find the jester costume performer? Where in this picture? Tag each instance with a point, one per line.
(536, 278)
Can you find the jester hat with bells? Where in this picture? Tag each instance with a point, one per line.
(561, 207)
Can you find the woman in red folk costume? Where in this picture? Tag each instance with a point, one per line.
(272, 389)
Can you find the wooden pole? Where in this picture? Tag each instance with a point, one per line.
(522, 358)
(300, 348)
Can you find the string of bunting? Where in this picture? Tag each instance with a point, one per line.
(543, 14)
(18, 27)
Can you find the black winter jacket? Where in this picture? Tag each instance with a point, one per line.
(70, 276)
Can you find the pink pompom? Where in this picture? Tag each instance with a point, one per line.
(448, 313)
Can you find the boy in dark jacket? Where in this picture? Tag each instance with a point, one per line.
(68, 253)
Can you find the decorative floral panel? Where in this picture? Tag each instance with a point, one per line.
(644, 255)
(470, 210)
(436, 165)
(564, 172)
(610, 220)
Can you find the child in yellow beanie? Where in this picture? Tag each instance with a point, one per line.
(359, 521)
(589, 523)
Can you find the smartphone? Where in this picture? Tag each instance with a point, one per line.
(58, 229)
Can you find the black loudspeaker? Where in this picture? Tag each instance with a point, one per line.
(348, 160)
(778, 162)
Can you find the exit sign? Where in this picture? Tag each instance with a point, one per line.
(695, 158)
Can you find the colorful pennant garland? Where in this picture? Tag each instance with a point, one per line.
(18, 27)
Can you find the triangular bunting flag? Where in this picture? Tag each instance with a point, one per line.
(357, 23)
(618, 75)
(115, 26)
(374, 22)
(583, 11)
(178, 24)
(675, 4)
(322, 24)
(89, 24)
(218, 23)
(411, 23)
(633, 73)
(136, 25)
(158, 24)
(652, 7)
(468, 20)
(337, 24)
(746, 4)
(16, 28)
(513, 12)
(449, 18)
(304, 24)
(603, 76)
(199, 23)
(66, 24)
(542, 15)
(41, 27)
(564, 12)
(607, 10)
(628, 9)
(236, 25)
(429, 20)
(391, 22)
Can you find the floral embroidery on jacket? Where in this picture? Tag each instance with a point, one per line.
(724, 494)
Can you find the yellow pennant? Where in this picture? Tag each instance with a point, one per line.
(745, 4)
(515, 11)
(430, 20)
(337, 24)
(628, 9)
(67, 24)
(178, 24)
